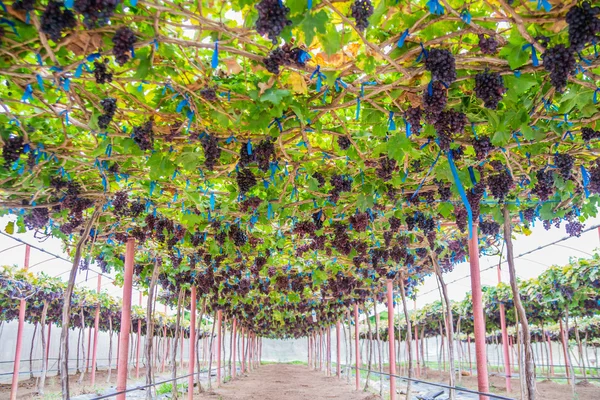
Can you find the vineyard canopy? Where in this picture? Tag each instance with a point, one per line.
(285, 197)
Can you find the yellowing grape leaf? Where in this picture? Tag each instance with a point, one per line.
(233, 67)
(297, 83)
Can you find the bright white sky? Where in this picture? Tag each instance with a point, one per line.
(527, 267)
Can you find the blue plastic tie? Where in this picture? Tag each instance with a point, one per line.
(461, 191)
(534, 58)
(402, 39)
(465, 15)
(215, 57)
(391, 123)
(435, 7)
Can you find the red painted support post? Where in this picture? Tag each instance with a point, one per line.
(243, 351)
(507, 371)
(329, 351)
(22, 307)
(181, 352)
(469, 348)
(233, 332)
(123, 354)
(338, 349)
(219, 346)
(565, 349)
(550, 352)
(357, 350)
(478, 320)
(139, 338)
(391, 337)
(191, 363)
(96, 326)
(48, 344)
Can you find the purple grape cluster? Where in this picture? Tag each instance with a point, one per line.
(574, 228)
(246, 157)
(123, 42)
(443, 190)
(588, 134)
(55, 19)
(490, 88)
(544, 187)
(564, 162)
(434, 101)
(489, 228)
(584, 25)
(386, 167)
(212, 152)
(143, 136)
(109, 105)
(482, 146)
(245, 180)
(37, 218)
(474, 197)
(449, 123)
(209, 93)
(265, 154)
(237, 235)
(13, 147)
(120, 203)
(361, 11)
(272, 18)
(340, 184)
(413, 116)
(285, 55)
(488, 45)
(560, 62)
(101, 72)
(95, 12)
(344, 142)
(359, 221)
(24, 5)
(441, 64)
(529, 214)
(500, 183)
(461, 217)
(319, 178)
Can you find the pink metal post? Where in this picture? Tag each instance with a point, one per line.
(337, 351)
(478, 320)
(321, 350)
(550, 352)
(329, 351)
(181, 355)
(357, 350)
(191, 363)
(137, 350)
(391, 337)
(418, 369)
(507, 371)
(243, 360)
(125, 319)
(219, 347)
(96, 324)
(233, 339)
(16, 364)
(89, 342)
(165, 347)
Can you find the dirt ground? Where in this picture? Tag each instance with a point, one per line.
(28, 388)
(285, 381)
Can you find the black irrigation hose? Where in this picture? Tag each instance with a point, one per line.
(460, 389)
(106, 396)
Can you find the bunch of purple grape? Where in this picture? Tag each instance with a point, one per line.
(55, 19)
(95, 12)
(101, 72)
(272, 18)
(212, 152)
(361, 11)
(143, 136)
(123, 42)
(109, 105)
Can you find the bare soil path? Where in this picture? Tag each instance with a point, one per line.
(285, 381)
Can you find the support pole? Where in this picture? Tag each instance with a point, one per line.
(328, 351)
(478, 319)
(192, 356)
(137, 350)
(550, 353)
(48, 344)
(123, 355)
(16, 364)
(356, 333)
(391, 337)
(233, 332)
(564, 346)
(505, 350)
(96, 326)
(243, 360)
(219, 349)
(337, 352)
